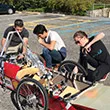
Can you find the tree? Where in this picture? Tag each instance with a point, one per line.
(69, 6)
(7, 1)
(25, 4)
(82, 6)
(63, 6)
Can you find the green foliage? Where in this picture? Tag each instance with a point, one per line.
(36, 9)
(59, 6)
(82, 6)
(69, 6)
(63, 6)
(99, 4)
(7, 1)
(27, 4)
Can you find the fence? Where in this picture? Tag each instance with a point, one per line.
(100, 10)
(100, 6)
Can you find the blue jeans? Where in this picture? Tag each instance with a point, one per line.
(51, 57)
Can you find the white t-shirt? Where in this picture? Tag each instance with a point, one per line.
(53, 36)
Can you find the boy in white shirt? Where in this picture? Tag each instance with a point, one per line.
(54, 50)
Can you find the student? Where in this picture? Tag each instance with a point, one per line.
(54, 50)
(96, 55)
(16, 42)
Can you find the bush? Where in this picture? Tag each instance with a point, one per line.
(36, 9)
(30, 4)
(76, 7)
(69, 6)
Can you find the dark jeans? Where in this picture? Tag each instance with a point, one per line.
(51, 57)
(100, 68)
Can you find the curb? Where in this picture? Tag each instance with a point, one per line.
(27, 12)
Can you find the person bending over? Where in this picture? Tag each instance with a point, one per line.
(93, 52)
(54, 50)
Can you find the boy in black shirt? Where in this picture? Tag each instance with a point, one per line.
(16, 42)
(96, 55)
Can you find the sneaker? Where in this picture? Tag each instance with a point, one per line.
(105, 77)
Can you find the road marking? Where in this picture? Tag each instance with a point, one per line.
(77, 25)
(52, 26)
(41, 20)
(31, 24)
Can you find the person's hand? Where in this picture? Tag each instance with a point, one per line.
(88, 47)
(75, 70)
(40, 40)
(20, 56)
(84, 51)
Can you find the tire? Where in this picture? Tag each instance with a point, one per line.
(31, 95)
(10, 11)
(13, 99)
(66, 68)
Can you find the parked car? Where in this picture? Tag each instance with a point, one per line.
(4, 8)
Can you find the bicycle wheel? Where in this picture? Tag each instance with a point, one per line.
(13, 99)
(72, 71)
(31, 95)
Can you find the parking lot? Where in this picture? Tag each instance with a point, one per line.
(66, 26)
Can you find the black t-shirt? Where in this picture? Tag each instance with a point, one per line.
(99, 52)
(15, 39)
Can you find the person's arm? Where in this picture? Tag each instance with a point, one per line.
(96, 38)
(5, 37)
(49, 46)
(25, 40)
(3, 43)
(25, 45)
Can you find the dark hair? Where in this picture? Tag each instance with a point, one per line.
(39, 29)
(81, 34)
(18, 22)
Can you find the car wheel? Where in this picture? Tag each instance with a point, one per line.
(10, 11)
